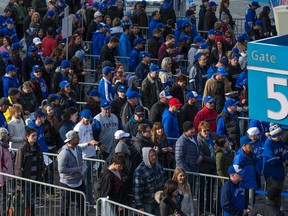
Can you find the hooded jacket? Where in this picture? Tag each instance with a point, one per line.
(40, 135)
(39, 87)
(134, 59)
(148, 179)
(97, 43)
(9, 82)
(170, 124)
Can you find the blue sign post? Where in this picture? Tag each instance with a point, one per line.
(268, 79)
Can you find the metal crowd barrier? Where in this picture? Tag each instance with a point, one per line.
(21, 196)
(111, 208)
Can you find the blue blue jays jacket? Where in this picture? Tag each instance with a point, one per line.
(250, 17)
(246, 162)
(152, 26)
(232, 199)
(9, 82)
(273, 159)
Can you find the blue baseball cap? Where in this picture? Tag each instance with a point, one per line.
(198, 39)
(266, 8)
(105, 105)
(231, 102)
(95, 4)
(51, 13)
(235, 56)
(10, 21)
(32, 48)
(107, 69)
(208, 99)
(86, 113)
(155, 68)
(143, 3)
(245, 140)
(193, 94)
(138, 41)
(94, 93)
(121, 88)
(53, 97)
(11, 67)
(39, 113)
(65, 64)
(144, 54)
(212, 31)
(16, 46)
(236, 169)
(203, 46)
(132, 94)
(255, 4)
(36, 67)
(101, 25)
(240, 38)
(222, 71)
(184, 38)
(186, 23)
(80, 55)
(5, 55)
(212, 3)
(165, 94)
(64, 83)
(198, 55)
(48, 60)
(235, 50)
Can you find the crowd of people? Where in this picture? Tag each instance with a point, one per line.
(149, 111)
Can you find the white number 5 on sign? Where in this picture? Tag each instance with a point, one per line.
(280, 97)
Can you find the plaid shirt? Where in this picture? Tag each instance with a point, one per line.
(147, 181)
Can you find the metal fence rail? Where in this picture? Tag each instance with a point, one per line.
(21, 196)
(111, 208)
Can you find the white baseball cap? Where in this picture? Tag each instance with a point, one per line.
(120, 134)
(253, 131)
(37, 41)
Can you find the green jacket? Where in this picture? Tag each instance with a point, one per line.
(224, 158)
(21, 12)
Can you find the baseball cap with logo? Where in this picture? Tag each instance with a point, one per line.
(193, 94)
(236, 169)
(175, 102)
(165, 94)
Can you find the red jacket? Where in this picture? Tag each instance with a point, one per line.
(48, 45)
(210, 116)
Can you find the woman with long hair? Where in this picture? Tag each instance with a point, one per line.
(69, 121)
(165, 154)
(170, 203)
(35, 21)
(184, 188)
(74, 45)
(57, 55)
(165, 74)
(218, 51)
(68, 96)
(93, 102)
(224, 9)
(120, 77)
(7, 43)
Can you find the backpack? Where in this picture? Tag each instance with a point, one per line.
(98, 184)
(16, 205)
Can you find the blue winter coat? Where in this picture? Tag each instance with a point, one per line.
(40, 135)
(11, 33)
(273, 166)
(170, 124)
(134, 60)
(97, 43)
(258, 152)
(124, 47)
(9, 82)
(187, 153)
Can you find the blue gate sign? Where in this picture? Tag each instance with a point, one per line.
(268, 80)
